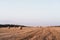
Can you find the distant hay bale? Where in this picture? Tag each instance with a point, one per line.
(20, 28)
(40, 26)
(8, 27)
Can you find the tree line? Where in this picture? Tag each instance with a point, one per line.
(11, 25)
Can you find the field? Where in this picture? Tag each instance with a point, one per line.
(30, 33)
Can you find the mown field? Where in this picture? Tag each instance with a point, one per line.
(30, 33)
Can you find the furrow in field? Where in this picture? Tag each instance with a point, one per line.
(30, 35)
(14, 36)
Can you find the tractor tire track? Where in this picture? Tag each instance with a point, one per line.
(32, 34)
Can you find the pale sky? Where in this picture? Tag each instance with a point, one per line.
(30, 12)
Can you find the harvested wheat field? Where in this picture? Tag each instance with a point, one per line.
(30, 33)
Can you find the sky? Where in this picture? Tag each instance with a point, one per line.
(30, 12)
